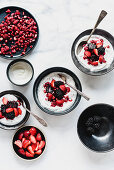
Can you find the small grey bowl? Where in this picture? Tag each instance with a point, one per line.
(15, 61)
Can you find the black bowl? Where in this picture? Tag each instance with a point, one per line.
(15, 61)
(15, 147)
(13, 9)
(103, 141)
(102, 33)
(12, 127)
(45, 73)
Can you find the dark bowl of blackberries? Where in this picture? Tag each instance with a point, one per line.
(85, 70)
(96, 127)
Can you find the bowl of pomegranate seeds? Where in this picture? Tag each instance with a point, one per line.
(97, 56)
(12, 113)
(19, 32)
(29, 143)
(53, 95)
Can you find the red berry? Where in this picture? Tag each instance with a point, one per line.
(87, 53)
(100, 58)
(18, 143)
(4, 100)
(95, 51)
(33, 131)
(52, 83)
(8, 110)
(60, 102)
(30, 150)
(26, 133)
(20, 136)
(34, 146)
(21, 151)
(25, 143)
(32, 139)
(16, 112)
(50, 96)
(1, 115)
(95, 63)
(63, 88)
(68, 89)
(99, 44)
(19, 111)
(8, 11)
(38, 137)
(42, 144)
(38, 152)
(28, 154)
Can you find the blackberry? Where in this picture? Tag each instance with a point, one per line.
(3, 108)
(10, 115)
(97, 119)
(12, 104)
(90, 130)
(58, 83)
(49, 89)
(59, 94)
(94, 57)
(101, 50)
(91, 46)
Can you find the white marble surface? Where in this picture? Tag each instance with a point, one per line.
(60, 21)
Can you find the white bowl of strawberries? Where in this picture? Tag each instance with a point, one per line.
(29, 142)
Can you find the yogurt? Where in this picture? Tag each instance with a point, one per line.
(17, 119)
(41, 95)
(20, 73)
(109, 54)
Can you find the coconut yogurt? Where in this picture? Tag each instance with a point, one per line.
(17, 119)
(109, 54)
(42, 96)
(20, 73)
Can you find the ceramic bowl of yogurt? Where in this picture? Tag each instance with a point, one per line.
(52, 95)
(93, 66)
(12, 113)
(20, 72)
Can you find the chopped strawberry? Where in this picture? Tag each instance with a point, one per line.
(19, 111)
(16, 112)
(8, 11)
(68, 89)
(50, 96)
(100, 58)
(20, 136)
(37, 147)
(28, 154)
(41, 145)
(26, 133)
(87, 53)
(23, 139)
(30, 150)
(99, 44)
(9, 110)
(34, 146)
(63, 88)
(4, 100)
(21, 151)
(26, 143)
(32, 139)
(18, 143)
(1, 115)
(38, 137)
(33, 131)
(38, 152)
(60, 102)
(52, 83)
(94, 63)
(95, 51)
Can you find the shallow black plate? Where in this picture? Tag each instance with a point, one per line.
(26, 115)
(45, 73)
(13, 9)
(104, 140)
(104, 34)
(15, 147)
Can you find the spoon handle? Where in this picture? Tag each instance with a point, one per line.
(79, 92)
(38, 118)
(100, 18)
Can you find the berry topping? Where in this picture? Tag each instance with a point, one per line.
(58, 83)
(38, 152)
(4, 100)
(32, 139)
(9, 110)
(95, 51)
(33, 131)
(21, 151)
(30, 150)
(87, 53)
(16, 112)
(38, 137)
(18, 143)
(59, 94)
(28, 154)
(26, 133)
(101, 50)
(63, 88)
(25, 143)
(20, 136)
(10, 115)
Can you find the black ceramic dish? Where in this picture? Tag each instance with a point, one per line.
(45, 73)
(15, 61)
(101, 32)
(103, 141)
(13, 9)
(15, 147)
(11, 127)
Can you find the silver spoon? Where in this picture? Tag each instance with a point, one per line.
(100, 18)
(43, 122)
(63, 77)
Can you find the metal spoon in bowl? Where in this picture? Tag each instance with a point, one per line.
(43, 122)
(63, 77)
(100, 18)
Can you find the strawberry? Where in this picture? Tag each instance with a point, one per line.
(9, 110)
(18, 143)
(21, 151)
(49, 95)
(28, 154)
(33, 131)
(87, 53)
(1, 115)
(59, 102)
(38, 152)
(94, 63)
(99, 44)
(20, 136)
(34, 146)
(26, 133)
(41, 145)
(30, 150)
(63, 88)
(32, 139)
(23, 139)
(100, 58)
(37, 147)
(19, 111)
(4, 100)
(95, 51)
(52, 83)
(16, 112)
(26, 143)
(38, 137)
